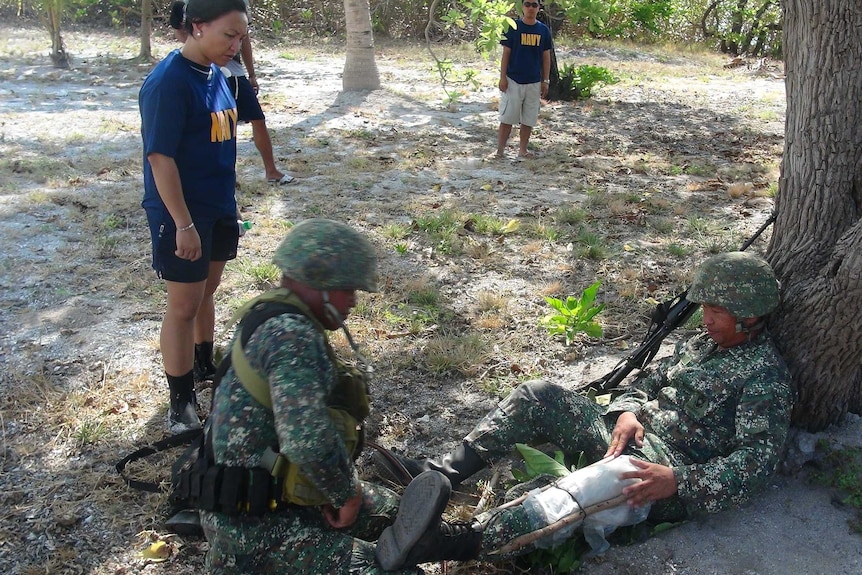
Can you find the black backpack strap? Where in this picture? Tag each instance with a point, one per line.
(259, 314)
(182, 438)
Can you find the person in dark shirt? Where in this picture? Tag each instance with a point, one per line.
(525, 69)
(188, 128)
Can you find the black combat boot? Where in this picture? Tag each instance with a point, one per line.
(457, 466)
(204, 369)
(182, 415)
(419, 512)
(403, 545)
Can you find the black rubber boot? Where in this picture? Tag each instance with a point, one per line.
(204, 369)
(185, 522)
(182, 415)
(457, 466)
(441, 540)
(419, 512)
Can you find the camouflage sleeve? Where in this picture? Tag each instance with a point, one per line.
(301, 376)
(642, 390)
(762, 421)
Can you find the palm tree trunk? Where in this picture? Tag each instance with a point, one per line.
(360, 69)
(54, 14)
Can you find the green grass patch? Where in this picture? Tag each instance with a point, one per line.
(841, 469)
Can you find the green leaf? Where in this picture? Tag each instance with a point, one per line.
(590, 295)
(556, 304)
(520, 476)
(662, 527)
(582, 461)
(539, 463)
(560, 458)
(593, 330)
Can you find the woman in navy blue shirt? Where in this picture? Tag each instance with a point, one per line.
(188, 126)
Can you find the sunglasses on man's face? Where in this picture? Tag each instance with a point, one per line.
(531, 4)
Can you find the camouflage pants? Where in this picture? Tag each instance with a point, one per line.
(539, 412)
(299, 540)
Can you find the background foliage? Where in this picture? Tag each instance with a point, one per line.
(750, 27)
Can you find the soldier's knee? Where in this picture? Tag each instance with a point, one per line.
(531, 392)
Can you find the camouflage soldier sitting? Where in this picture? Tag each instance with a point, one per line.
(704, 427)
(283, 495)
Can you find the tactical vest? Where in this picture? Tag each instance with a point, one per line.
(200, 483)
(348, 403)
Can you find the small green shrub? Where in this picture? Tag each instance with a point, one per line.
(575, 315)
(579, 83)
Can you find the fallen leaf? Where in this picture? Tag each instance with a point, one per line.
(511, 226)
(157, 552)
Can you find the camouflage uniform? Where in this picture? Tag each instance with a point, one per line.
(717, 417)
(291, 352)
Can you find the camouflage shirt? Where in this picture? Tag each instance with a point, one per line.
(291, 353)
(719, 416)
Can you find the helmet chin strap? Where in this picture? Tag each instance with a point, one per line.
(330, 311)
(332, 315)
(751, 330)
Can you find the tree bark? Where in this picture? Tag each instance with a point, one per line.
(816, 248)
(146, 52)
(54, 16)
(360, 68)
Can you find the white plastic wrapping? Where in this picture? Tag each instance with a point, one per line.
(577, 493)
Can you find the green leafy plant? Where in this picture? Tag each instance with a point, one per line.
(593, 13)
(575, 315)
(579, 83)
(538, 463)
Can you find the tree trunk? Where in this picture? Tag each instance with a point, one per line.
(54, 14)
(816, 248)
(146, 52)
(360, 69)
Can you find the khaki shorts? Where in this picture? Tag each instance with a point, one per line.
(520, 104)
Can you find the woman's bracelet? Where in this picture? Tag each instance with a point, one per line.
(187, 228)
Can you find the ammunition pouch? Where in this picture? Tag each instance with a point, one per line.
(197, 482)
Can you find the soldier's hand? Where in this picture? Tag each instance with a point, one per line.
(656, 482)
(344, 516)
(627, 428)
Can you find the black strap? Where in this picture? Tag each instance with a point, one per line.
(259, 314)
(183, 438)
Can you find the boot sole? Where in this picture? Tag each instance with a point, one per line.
(421, 506)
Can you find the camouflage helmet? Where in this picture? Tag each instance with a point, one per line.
(741, 282)
(328, 255)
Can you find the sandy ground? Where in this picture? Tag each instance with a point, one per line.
(81, 310)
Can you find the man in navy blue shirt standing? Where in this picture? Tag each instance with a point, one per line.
(525, 68)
